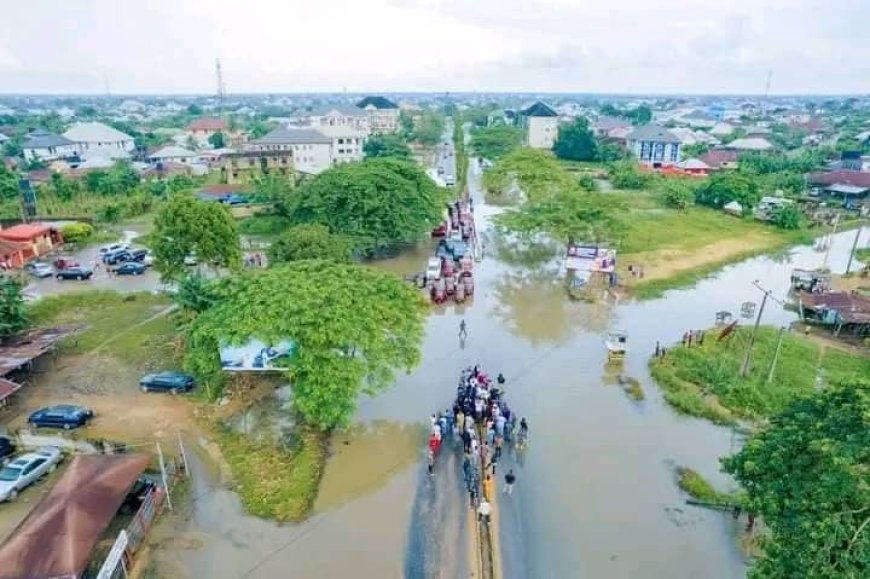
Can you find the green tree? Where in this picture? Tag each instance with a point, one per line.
(569, 214)
(429, 128)
(217, 140)
(639, 115)
(179, 183)
(187, 226)
(627, 175)
(406, 124)
(8, 183)
(351, 327)
(575, 141)
(194, 109)
(807, 475)
(196, 293)
(611, 152)
(694, 150)
(495, 142)
(723, 188)
(13, 312)
(12, 148)
(65, 189)
(788, 217)
(75, 232)
(377, 204)
(391, 145)
(258, 129)
(309, 242)
(677, 193)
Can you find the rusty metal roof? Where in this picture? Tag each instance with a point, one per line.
(58, 536)
(30, 345)
(853, 308)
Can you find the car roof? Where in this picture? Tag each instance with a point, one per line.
(64, 408)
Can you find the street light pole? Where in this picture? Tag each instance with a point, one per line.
(854, 247)
(744, 370)
(775, 356)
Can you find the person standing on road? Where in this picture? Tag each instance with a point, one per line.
(463, 330)
(509, 480)
(483, 512)
(488, 487)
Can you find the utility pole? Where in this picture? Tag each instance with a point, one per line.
(831, 241)
(854, 247)
(221, 88)
(744, 369)
(775, 355)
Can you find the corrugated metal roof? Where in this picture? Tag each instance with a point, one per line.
(95, 133)
(40, 139)
(654, 133)
(293, 137)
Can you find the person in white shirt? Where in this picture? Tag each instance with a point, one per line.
(483, 511)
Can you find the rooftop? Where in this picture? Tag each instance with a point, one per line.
(293, 137)
(170, 151)
(539, 109)
(23, 231)
(750, 144)
(41, 139)
(655, 133)
(207, 124)
(377, 102)
(95, 133)
(843, 177)
(853, 308)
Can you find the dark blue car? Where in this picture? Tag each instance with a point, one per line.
(174, 382)
(130, 268)
(66, 416)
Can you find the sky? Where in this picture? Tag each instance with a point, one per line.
(597, 46)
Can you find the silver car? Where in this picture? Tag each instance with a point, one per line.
(26, 470)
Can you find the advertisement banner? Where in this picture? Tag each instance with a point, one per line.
(256, 356)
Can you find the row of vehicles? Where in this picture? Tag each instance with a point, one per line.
(123, 259)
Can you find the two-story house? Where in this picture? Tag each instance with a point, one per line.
(654, 146)
(201, 129)
(348, 127)
(310, 150)
(43, 145)
(383, 114)
(541, 124)
(100, 140)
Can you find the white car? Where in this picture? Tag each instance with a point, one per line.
(190, 259)
(433, 269)
(26, 470)
(114, 247)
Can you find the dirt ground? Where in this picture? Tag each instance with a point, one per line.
(664, 263)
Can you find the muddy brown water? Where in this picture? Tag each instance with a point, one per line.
(595, 493)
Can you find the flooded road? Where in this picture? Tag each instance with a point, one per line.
(595, 493)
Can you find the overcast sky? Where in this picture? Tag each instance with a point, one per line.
(635, 46)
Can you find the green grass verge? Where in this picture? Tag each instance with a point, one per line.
(699, 488)
(275, 482)
(109, 317)
(863, 255)
(705, 381)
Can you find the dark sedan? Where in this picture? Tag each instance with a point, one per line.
(174, 382)
(130, 268)
(79, 273)
(66, 416)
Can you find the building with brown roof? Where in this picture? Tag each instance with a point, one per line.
(201, 129)
(34, 239)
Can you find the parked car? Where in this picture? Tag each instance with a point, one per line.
(66, 416)
(114, 247)
(79, 273)
(130, 268)
(175, 382)
(433, 269)
(39, 269)
(65, 263)
(116, 256)
(7, 447)
(26, 470)
(190, 259)
(137, 254)
(134, 499)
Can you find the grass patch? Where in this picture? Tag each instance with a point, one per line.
(275, 481)
(634, 390)
(863, 255)
(705, 381)
(107, 315)
(264, 225)
(700, 488)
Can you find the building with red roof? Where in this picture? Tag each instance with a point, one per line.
(32, 239)
(201, 129)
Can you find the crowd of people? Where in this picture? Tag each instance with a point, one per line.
(483, 421)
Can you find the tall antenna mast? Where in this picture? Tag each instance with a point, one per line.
(767, 85)
(221, 88)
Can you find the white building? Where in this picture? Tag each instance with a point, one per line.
(312, 150)
(348, 127)
(173, 154)
(541, 124)
(383, 114)
(46, 146)
(100, 140)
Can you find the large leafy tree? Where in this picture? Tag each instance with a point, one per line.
(391, 145)
(495, 142)
(576, 142)
(217, 140)
(184, 226)
(309, 242)
(352, 327)
(8, 183)
(377, 204)
(13, 313)
(428, 128)
(723, 188)
(808, 476)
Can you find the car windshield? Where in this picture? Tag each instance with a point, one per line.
(9, 474)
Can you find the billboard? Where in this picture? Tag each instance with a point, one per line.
(28, 198)
(590, 259)
(256, 356)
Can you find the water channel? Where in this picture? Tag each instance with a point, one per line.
(595, 493)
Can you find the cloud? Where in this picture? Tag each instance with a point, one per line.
(382, 45)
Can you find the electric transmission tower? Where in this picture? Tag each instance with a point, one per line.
(221, 88)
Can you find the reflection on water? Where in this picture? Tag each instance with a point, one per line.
(409, 260)
(365, 456)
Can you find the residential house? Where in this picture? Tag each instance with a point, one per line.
(602, 126)
(312, 150)
(698, 120)
(11, 254)
(721, 159)
(200, 130)
(852, 186)
(694, 167)
(33, 239)
(838, 311)
(100, 140)
(750, 144)
(693, 137)
(172, 154)
(541, 124)
(348, 127)
(383, 114)
(722, 129)
(654, 146)
(46, 146)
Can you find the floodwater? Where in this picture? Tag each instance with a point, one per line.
(595, 493)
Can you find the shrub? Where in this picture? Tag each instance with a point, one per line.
(75, 232)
